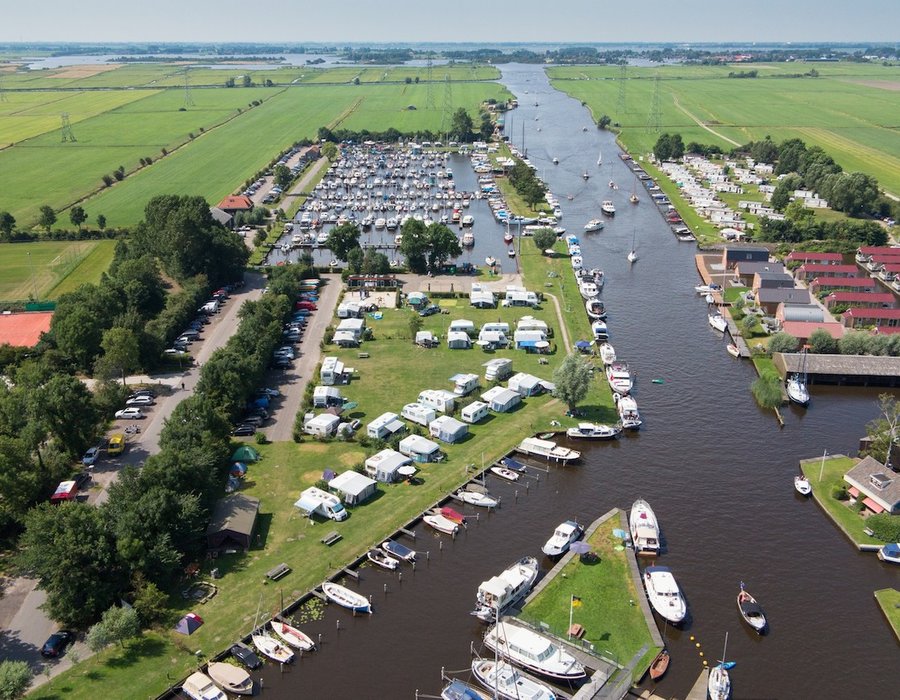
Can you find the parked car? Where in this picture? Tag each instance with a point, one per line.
(140, 401)
(244, 429)
(253, 419)
(130, 413)
(82, 480)
(245, 655)
(190, 333)
(430, 310)
(355, 425)
(116, 444)
(271, 393)
(143, 392)
(91, 456)
(174, 351)
(56, 643)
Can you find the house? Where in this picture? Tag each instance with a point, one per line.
(233, 522)
(462, 325)
(427, 339)
(235, 203)
(325, 396)
(497, 370)
(858, 317)
(438, 399)
(771, 280)
(383, 465)
(809, 271)
(877, 486)
(332, 372)
(525, 384)
(799, 312)
(770, 299)
(322, 425)
(355, 326)
(474, 412)
(732, 255)
(464, 383)
(353, 487)
(745, 270)
(801, 330)
(458, 340)
(223, 217)
(418, 413)
(811, 257)
(842, 284)
(869, 300)
(420, 449)
(448, 429)
(501, 400)
(386, 425)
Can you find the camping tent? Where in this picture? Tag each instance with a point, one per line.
(189, 624)
(245, 453)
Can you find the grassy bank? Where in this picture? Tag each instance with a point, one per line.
(889, 601)
(48, 269)
(824, 482)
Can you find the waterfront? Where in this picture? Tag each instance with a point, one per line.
(716, 469)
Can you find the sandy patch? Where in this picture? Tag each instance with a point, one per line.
(892, 85)
(86, 71)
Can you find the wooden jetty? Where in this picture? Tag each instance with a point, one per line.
(699, 691)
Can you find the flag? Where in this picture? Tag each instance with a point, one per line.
(576, 601)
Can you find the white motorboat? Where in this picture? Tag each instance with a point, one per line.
(733, 350)
(346, 598)
(500, 592)
(644, 528)
(596, 309)
(587, 289)
(382, 559)
(547, 449)
(802, 485)
(468, 239)
(230, 678)
(594, 225)
(707, 288)
(619, 377)
(565, 534)
(797, 391)
(585, 175)
(507, 682)
(632, 256)
(505, 473)
(457, 690)
(292, 636)
(533, 651)
(468, 220)
(607, 353)
(440, 523)
(608, 208)
(628, 412)
(199, 686)
(890, 553)
(474, 498)
(664, 595)
(380, 223)
(600, 330)
(717, 321)
(556, 161)
(272, 648)
(490, 261)
(398, 550)
(594, 431)
(511, 252)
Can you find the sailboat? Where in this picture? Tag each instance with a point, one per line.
(632, 256)
(796, 384)
(633, 198)
(719, 684)
(600, 158)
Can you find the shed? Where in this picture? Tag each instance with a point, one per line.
(474, 412)
(448, 429)
(438, 399)
(383, 465)
(322, 425)
(501, 400)
(384, 426)
(464, 383)
(525, 384)
(232, 523)
(497, 370)
(420, 449)
(426, 339)
(418, 413)
(458, 340)
(353, 487)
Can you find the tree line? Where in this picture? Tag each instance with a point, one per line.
(526, 182)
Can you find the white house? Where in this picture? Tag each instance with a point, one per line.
(525, 384)
(497, 370)
(457, 340)
(418, 413)
(474, 412)
(353, 487)
(322, 425)
(438, 399)
(383, 466)
(448, 429)
(384, 426)
(500, 399)
(332, 371)
(420, 449)
(464, 383)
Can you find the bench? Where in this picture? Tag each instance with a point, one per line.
(331, 538)
(576, 631)
(278, 572)
(362, 355)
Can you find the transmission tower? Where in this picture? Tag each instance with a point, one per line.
(623, 77)
(654, 119)
(447, 107)
(429, 88)
(66, 129)
(188, 100)
(3, 97)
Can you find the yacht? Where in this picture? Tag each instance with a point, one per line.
(508, 682)
(533, 651)
(564, 535)
(588, 289)
(644, 528)
(500, 592)
(619, 377)
(199, 686)
(594, 431)
(595, 308)
(664, 595)
(628, 412)
(797, 391)
(600, 330)
(717, 321)
(594, 225)
(608, 208)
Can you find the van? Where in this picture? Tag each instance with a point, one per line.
(116, 445)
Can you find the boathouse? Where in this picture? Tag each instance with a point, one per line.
(745, 270)
(875, 485)
(866, 370)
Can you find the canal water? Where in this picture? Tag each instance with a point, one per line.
(716, 469)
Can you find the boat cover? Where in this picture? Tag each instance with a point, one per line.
(752, 609)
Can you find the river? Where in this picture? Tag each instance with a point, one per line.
(716, 469)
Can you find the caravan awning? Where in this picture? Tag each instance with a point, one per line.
(394, 426)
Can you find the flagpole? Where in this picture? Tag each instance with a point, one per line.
(571, 611)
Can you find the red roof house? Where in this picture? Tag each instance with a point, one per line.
(235, 203)
(858, 317)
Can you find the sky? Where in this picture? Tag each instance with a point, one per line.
(490, 21)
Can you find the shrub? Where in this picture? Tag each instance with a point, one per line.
(260, 438)
(885, 526)
(840, 493)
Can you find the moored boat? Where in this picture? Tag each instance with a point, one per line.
(587, 289)
(596, 309)
(707, 288)
(719, 684)
(608, 208)
(490, 261)
(619, 378)
(594, 431)
(797, 391)
(440, 523)
(600, 330)
(457, 690)
(751, 611)
(508, 682)
(293, 636)
(594, 225)
(733, 350)
(565, 534)
(508, 237)
(453, 515)
(382, 559)
(272, 648)
(346, 598)
(628, 412)
(500, 592)
(398, 550)
(717, 321)
(660, 665)
(547, 449)
(644, 527)
(230, 678)
(664, 594)
(505, 473)
(802, 485)
(607, 353)
(474, 498)
(199, 686)
(533, 652)
(890, 553)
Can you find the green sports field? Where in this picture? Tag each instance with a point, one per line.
(48, 269)
(850, 110)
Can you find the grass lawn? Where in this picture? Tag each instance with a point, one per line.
(840, 511)
(51, 267)
(889, 600)
(612, 620)
(765, 366)
(732, 294)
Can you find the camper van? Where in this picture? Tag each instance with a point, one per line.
(417, 413)
(314, 501)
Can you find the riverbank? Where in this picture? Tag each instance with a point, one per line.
(889, 602)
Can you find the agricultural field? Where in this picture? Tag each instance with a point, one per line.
(850, 110)
(48, 269)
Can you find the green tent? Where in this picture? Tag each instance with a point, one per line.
(245, 453)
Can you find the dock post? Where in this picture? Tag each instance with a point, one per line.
(338, 625)
(385, 589)
(400, 577)
(516, 495)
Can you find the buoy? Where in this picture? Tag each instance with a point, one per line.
(658, 381)
(692, 638)
(701, 653)
(705, 663)
(697, 645)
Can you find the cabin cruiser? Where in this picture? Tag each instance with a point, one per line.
(594, 225)
(533, 652)
(608, 208)
(628, 412)
(500, 592)
(664, 594)
(644, 528)
(619, 377)
(594, 431)
(564, 535)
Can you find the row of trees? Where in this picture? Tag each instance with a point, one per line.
(802, 225)
(527, 183)
(852, 343)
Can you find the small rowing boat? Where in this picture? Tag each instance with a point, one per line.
(660, 665)
(345, 597)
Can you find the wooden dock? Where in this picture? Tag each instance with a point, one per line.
(698, 692)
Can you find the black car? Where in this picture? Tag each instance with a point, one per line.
(82, 480)
(143, 392)
(245, 655)
(57, 643)
(430, 310)
(244, 429)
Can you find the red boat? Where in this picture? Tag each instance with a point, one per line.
(660, 665)
(453, 515)
(508, 237)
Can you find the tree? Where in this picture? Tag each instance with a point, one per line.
(798, 213)
(572, 379)
(77, 216)
(101, 221)
(247, 81)
(604, 121)
(783, 342)
(855, 343)
(330, 151)
(853, 193)
(151, 604)
(486, 130)
(821, 342)
(767, 391)
(442, 245)
(375, 263)
(533, 192)
(884, 431)
(414, 245)
(120, 353)
(355, 259)
(7, 224)
(283, 176)
(47, 217)
(415, 325)
(764, 151)
(461, 125)
(342, 239)
(117, 626)
(669, 147)
(15, 677)
(784, 190)
(544, 238)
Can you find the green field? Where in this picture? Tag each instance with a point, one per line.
(48, 269)
(850, 110)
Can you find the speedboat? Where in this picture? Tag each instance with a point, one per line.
(398, 550)
(500, 592)
(608, 208)
(890, 553)
(802, 485)
(594, 225)
(708, 288)
(565, 534)
(663, 593)
(718, 322)
(382, 559)
(619, 377)
(595, 309)
(585, 175)
(751, 611)
(511, 252)
(533, 652)
(346, 598)
(272, 648)
(594, 431)
(505, 473)
(453, 515)
(199, 686)
(797, 391)
(457, 690)
(628, 412)
(474, 498)
(508, 682)
(440, 523)
(230, 678)
(293, 636)
(644, 528)
(607, 353)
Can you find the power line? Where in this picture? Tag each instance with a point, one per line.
(448, 104)
(66, 132)
(654, 119)
(429, 89)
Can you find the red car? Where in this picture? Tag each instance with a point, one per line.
(306, 305)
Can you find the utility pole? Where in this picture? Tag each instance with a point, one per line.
(188, 100)
(66, 132)
(654, 119)
(623, 76)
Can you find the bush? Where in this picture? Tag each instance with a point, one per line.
(840, 493)
(260, 438)
(885, 526)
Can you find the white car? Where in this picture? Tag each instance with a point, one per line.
(130, 413)
(140, 401)
(564, 535)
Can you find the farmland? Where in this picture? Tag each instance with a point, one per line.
(849, 110)
(48, 269)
